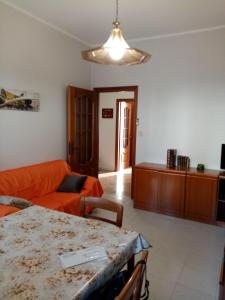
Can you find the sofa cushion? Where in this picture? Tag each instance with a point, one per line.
(72, 184)
(65, 202)
(33, 181)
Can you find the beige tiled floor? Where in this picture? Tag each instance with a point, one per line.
(185, 259)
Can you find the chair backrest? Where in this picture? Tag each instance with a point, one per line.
(95, 202)
(132, 289)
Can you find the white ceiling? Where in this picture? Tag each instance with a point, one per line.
(90, 20)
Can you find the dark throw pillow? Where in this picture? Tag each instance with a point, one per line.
(72, 184)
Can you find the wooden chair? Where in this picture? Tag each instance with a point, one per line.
(102, 203)
(132, 289)
(222, 280)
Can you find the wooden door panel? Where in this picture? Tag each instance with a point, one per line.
(145, 189)
(82, 131)
(200, 201)
(171, 193)
(124, 132)
(125, 153)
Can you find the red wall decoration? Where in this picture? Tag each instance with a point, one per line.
(107, 113)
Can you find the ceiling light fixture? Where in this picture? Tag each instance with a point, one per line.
(116, 51)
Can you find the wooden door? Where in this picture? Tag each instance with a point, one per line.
(124, 133)
(200, 201)
(171, 193)
(145, 189)
(82, 129)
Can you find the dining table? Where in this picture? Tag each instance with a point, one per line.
(33, 240)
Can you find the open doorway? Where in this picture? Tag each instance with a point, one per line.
(84, 123)
(124, 130)
(117, 137)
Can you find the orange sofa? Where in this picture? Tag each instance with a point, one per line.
(39, 183)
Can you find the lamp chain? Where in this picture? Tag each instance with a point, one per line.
(117, 10)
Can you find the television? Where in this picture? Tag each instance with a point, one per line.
(222, 163)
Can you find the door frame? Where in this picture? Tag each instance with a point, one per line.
(132, 88)
(117, 148)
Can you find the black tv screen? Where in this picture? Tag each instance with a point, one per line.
(222, 163)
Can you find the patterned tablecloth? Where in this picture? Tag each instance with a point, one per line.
(32, 239)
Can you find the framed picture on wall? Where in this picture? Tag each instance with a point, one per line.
(19, 100)
(107, 113)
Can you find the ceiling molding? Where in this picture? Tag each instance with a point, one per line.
(162, 36)
(129, 40)
(45, 22)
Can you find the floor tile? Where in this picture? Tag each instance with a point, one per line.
(199, 280)
(165, 267)
(183, 293)
(160, 289)
(205, 261)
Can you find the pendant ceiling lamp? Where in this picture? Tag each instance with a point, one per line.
(116, 51)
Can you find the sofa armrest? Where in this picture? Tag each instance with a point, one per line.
(92, 186)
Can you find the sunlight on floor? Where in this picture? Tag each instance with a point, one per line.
(116, 182)
(105, 173)
(120, 183)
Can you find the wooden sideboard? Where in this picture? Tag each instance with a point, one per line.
(183, 193)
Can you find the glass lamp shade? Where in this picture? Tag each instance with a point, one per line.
(116, 51)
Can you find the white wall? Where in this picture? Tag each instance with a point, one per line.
(181, 96)
(181, 92)
(36, 58)
(107, 129)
